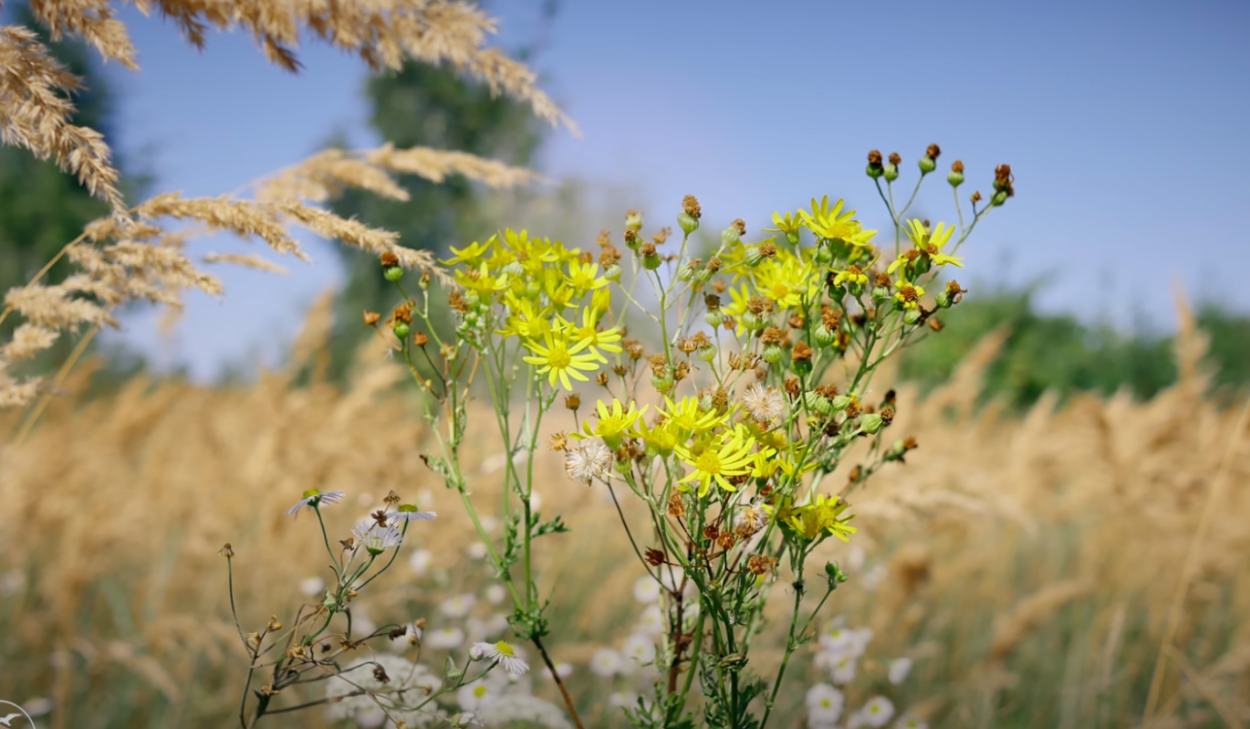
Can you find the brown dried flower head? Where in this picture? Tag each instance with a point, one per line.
(690, 205)
(389, 259)
(895, 159)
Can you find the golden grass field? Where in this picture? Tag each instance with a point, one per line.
(1027, 563)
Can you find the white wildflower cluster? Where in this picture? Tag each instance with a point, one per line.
(840, 650)
(399, 697)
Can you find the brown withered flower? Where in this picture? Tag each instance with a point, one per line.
(895, 159)
(389, 259)
(690, 205)
(801, 352)
(372, 317)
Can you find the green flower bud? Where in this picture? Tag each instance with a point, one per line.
(891, 172)
(835, 575)
(840, 403)
(514, 269)
(393, 273)
(955, 178)
(533, 288)
(623, 467)
(751, 321)
(927, 164)
(729, 236)
(662, 384)
(707, 354)
(612, 273)
(685, 271)
(824, 256)
(472, 298)
(801, 367)
(423, 283)
(772, 352)
(451, 671)
(402, 330)
(870, 423)
(823, 336)
(999, 198)
(943, 299)
(652, 262)
(817, 403)
(880, 293)
(793, 237)
(874, 171)
(912, 316)
(753, 256)
(703, 275)
(633, 221)
(688, 222)
(714, 318)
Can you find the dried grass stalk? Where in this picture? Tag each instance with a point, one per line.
(35, 112)
(247, 260)
(1031, 612)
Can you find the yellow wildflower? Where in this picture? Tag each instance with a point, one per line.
(724, 456)
(561, 359)
(614, 423)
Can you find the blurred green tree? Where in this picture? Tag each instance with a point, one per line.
(1058, 352)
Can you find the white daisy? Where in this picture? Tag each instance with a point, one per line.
(764, 403)
(605, 662)
(468, 718)
(824, 705)
(375, 537)
(501, 653)
(311, 586)
(877, 711)
(476, 550)
(496, 594)
(458, 606)
(587, 462)
(476, 695)
(909, 722)
(640, 648)
(651, 621)
(646, 590)
(513, 709)
(314, 498)
(842, 670)
(444, 638)
(622, 698)
(899, 668)
(409, 512)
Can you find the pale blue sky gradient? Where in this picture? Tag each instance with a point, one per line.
(1124, 123)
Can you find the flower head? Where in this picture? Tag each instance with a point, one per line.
(724, 456)
(503, 654)
(376, 537)
(765, 404)
(561, 359)
(588, 462)
(314, 498)
(824, 513)
(410, 512)
(824, 704)
(615, 422)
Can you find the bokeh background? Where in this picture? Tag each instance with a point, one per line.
(1075, 416)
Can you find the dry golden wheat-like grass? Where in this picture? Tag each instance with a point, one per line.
(1030, 561)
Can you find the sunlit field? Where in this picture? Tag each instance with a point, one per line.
(1025, 566)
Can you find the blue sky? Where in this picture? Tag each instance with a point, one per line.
(1124, 123)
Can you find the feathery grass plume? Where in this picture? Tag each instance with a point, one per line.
(436, 164)
(242, 217)
(34, 114)
(247, 260)
(381, 34)
(325, 175)
(28, 340)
